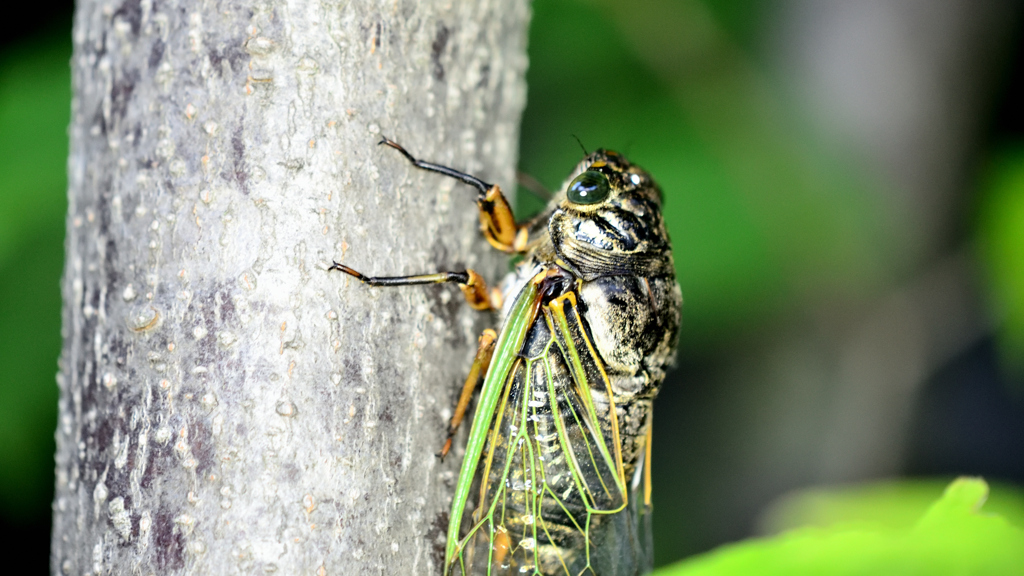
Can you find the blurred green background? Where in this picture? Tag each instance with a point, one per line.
(844, 187)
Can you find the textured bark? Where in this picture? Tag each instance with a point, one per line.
(227, 406)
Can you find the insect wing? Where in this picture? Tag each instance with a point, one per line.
(585, 414)
(618, 539)
(510, 341)
(552, 493)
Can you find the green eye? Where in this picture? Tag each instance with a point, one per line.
(590, 187)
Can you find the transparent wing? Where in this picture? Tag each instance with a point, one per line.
(552, 496)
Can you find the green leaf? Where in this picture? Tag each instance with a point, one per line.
(952, 537)
(892, 504)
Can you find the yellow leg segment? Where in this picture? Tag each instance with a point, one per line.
(482, 361)
(498, 224)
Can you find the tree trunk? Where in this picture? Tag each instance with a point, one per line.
(227, 405)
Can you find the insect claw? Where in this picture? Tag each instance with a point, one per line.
(445, 450)
(342, 268)
(389, 142)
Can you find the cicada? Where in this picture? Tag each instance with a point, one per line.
(556, 474)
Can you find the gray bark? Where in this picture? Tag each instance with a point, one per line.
(227, 406)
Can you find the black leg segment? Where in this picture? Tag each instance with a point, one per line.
(473, 181)
(436, 278)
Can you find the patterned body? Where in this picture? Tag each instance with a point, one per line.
(591, 320)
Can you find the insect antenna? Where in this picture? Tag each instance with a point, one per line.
(582, 147)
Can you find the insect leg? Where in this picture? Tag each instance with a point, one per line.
(482, 360)
(473, 286)
(496, 219)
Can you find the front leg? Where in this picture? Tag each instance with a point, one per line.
(496, 219)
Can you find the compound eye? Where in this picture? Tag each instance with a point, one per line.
(590, 187)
